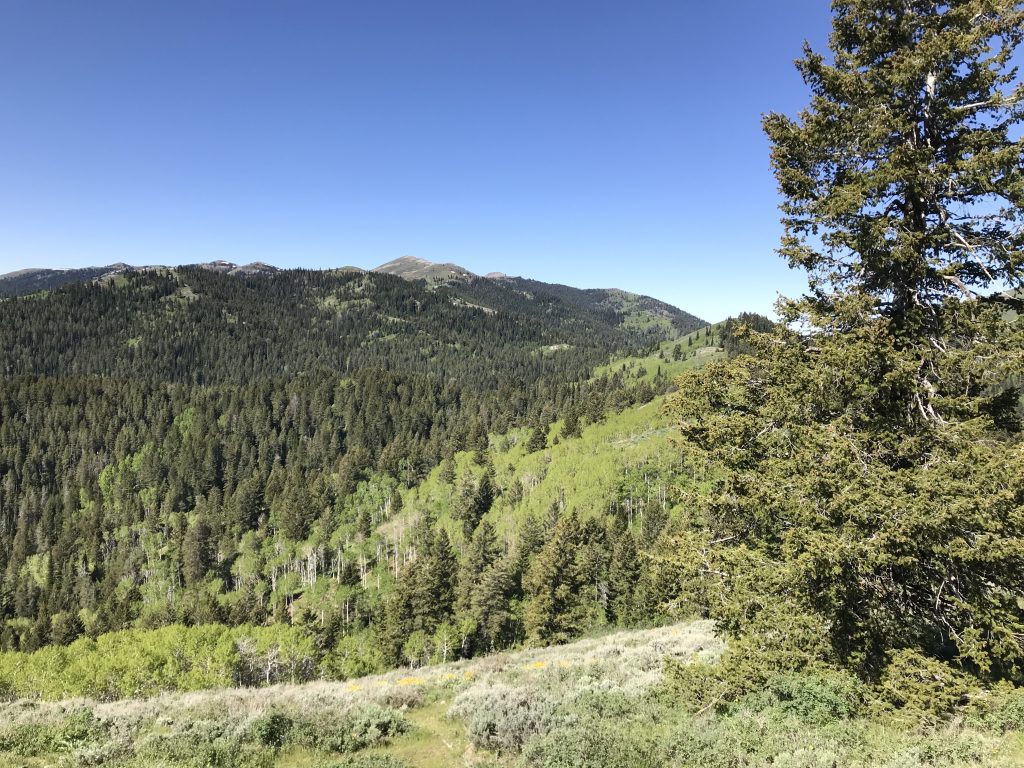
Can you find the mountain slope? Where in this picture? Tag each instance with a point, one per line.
(215, 323)
(24, 282)
(623, 464)
(207, 447)
(633, 312)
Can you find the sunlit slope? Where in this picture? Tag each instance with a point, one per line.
(443, 715)
(623, 459)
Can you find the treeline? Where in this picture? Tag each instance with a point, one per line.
(136, 662)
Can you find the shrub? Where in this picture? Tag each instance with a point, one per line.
(920, 689)
(179, 751)
(594, 745)
(270, 729)
(502, 718)
(75, 729)
(697, 686)
(1002, 711)
(364, 761)
(360, 728)
(815, 698)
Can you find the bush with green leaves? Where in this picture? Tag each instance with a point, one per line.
(203, 745)
(921, 689)
(502, 717)
(271, 729)
(598, 744)
(234, 728)
(815, 697)
(1000, 710)
(77, 728)
(364, 726)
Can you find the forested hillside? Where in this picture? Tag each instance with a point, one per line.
(214, 478)
(193, 446)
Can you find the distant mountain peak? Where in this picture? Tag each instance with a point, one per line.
(255, 268)
(413, 268)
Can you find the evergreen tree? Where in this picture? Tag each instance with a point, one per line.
(571, 424)
(870, 451)
(555, 585)
(481, 551)
(623, 576)
(196, 552)
(538, 437)
(431, 581)
(445, 567)
(490, 606)
(474, 500)
(447, 471)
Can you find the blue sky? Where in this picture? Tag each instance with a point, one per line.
(594, 143)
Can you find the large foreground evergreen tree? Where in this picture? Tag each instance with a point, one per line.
(869, 454)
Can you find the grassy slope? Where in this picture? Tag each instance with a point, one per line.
(584, 471)
(629, 662)
(595, 703)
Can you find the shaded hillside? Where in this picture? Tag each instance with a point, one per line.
(199, 325)
(25, 281)
(631, 310)
(639, 315)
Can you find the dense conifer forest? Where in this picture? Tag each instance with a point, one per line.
(193, 447)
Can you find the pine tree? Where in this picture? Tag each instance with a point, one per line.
(555, 585)
(571, 424)
(445, 567)
(196, 552)
(474, 500)
(447, 471)
(538, 438)
(623, 576)
(870, 451)
(430, 581)
(485, 492)
(480, 553)
(490, 606)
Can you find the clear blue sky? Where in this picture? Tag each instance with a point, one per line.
(593, 143)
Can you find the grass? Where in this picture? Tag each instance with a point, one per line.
(597, 703)
(436, 741)
(424, 717)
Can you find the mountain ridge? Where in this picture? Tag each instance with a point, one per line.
(637, 310)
